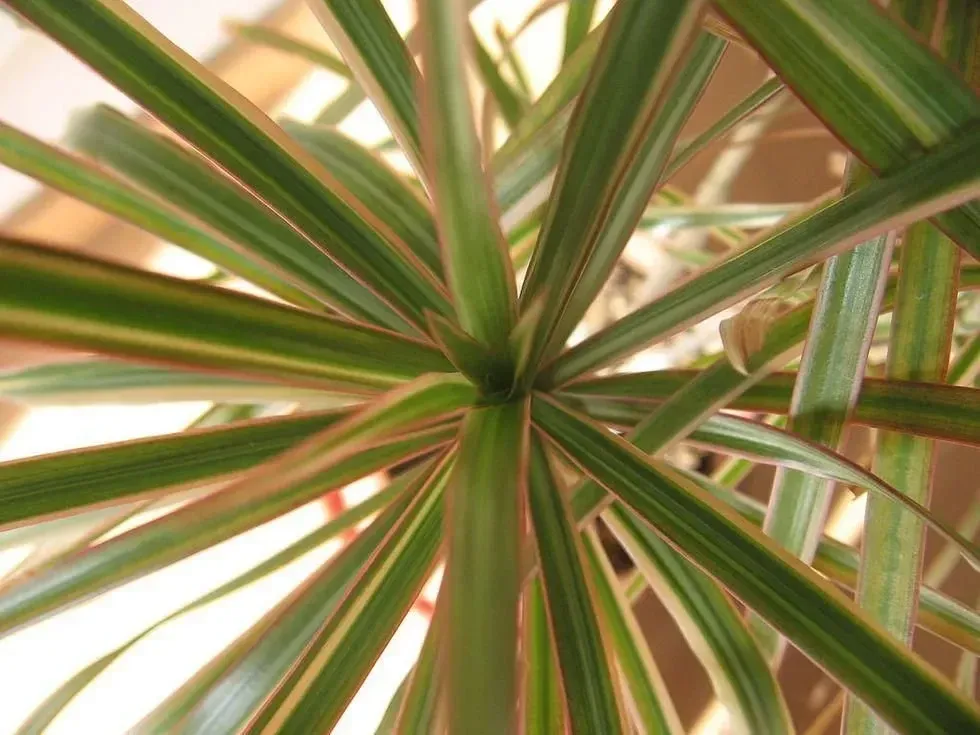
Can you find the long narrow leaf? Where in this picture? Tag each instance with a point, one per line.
(735, 114)
(942, 412)
(382, 191)
(382, 65)
(885, 95)
(651, 701)
(228, 690)
(479, 272)
(271, 38)
(86, 182)
(580, 13)
(711, 625)
(607, 146)
(938, 613)
(584, 657)
(418, 712)
(918, 349)
(934, 182)
(641, 174)
(507, 100)
(485, 499)
(45, 713)
(177, 175)
(335, 456)
(314, 694)
(826, 388)
(66, 299)
(236, 135)
(543, 705)
(88, 382)
(821, 622)
(65, 482)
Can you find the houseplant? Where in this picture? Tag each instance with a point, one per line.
(402, 309)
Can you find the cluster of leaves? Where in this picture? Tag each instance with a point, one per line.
(399, 334)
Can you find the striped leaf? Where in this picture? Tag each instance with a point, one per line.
(171, 172)
(543, 704)
(381, 63)
(79, 179)
(609, 141)
(88, 382)
(712, 626)
(933, 182)
(335, 456)
(649, 697)
(477, 266)
(223, 125)
(382, 191)
(887, 97)
(47, 711)
(317, 688)
(227, 691)
(70, 300)
(484, 519)
(827, 386)
(584, 656)
(820, 621)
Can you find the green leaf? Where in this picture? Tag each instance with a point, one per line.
(512, 60)
(789, 450)
(67, 482)
(87, 382)
(964, 369)
(887, 97)
(49, 709)
(938, 613)
(534, 146)
(719, 215)
(271, 38)
(640, 175)
(231, 686)
(70, 300)
(382, 65)
(335, 456)
(580, 14)
(83, 181)
(820, 621)
(893, 543)
(45, 713)
(651, 701)
(711, 625)
(510, 104)
(826, 389)
(237, 136)
(926, 409)
(933, 182)
(477, 266)
(345, 103)
(317, 688)
(584, 657)
(735, 114)
(189, 182)
(419, 709)
(543, 705)
(484, 523)
(382, 191)
(618, 139)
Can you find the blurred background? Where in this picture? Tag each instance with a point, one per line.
(780, 157)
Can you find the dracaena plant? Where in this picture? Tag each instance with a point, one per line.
(398, 332)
